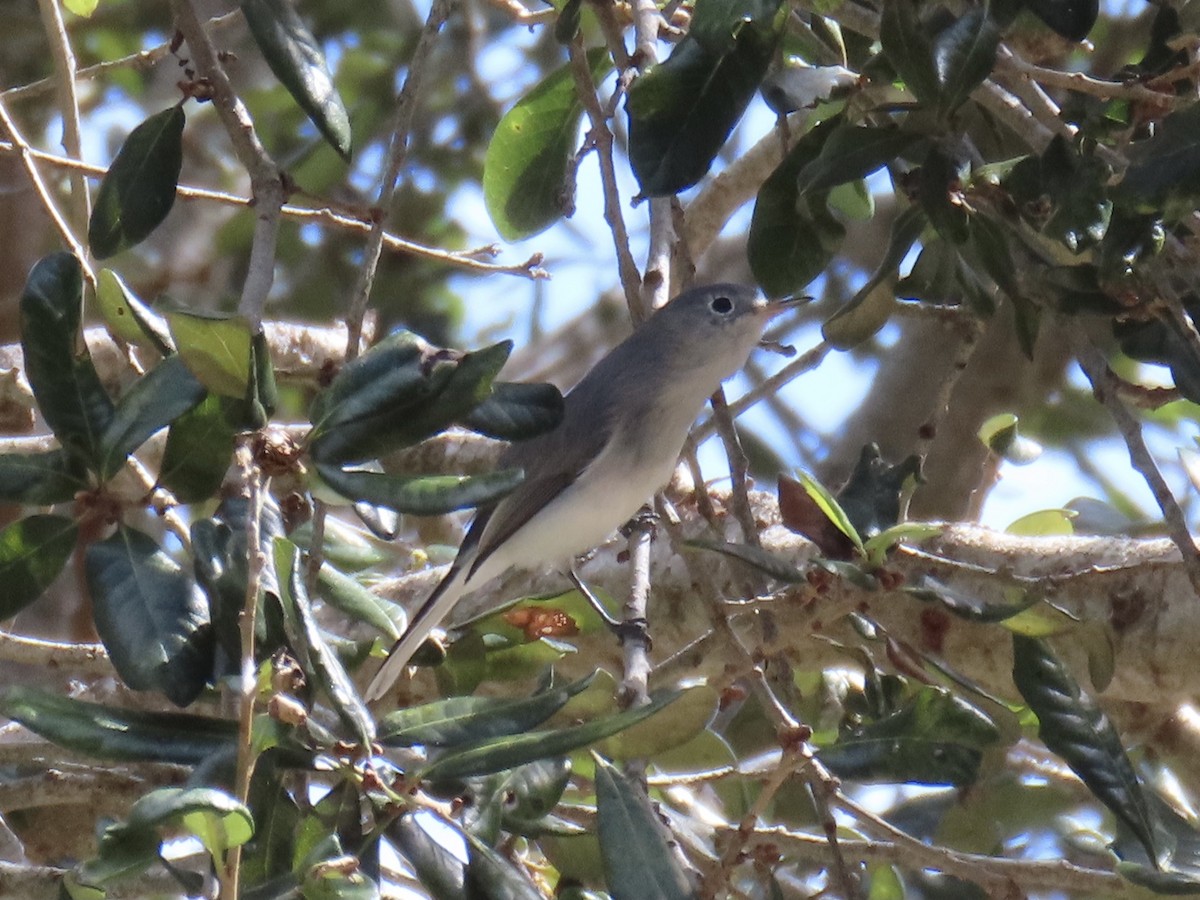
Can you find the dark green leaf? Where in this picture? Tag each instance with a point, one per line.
(40, 479)
(65, 384)
(317, 659)
(1074, 727)
(636, 848)
(263, 391)
(1072, 19)
(139, 188)
(682, 111)
(200, 448)
(297, 61)
(491, 876)
(164, 805)
(270, 852)
(528, 794)
(963, 56)
(154, 401)
(990, 244)
(934, 738)
(1166, 166)
(1062, 193)
(909, 50)
(525, 170)
(872, 305)
(216, 349)
(852, 152)
(515, 412)
(128, 317)
(460, 720)
(566, 26)
(871, 497)
(109, 732)
(439, 870)
(422, 495)
(792, 240)
(32, 553)
(151, 616)
(398, 393)
(1163, 341)
(940, 193)
(508, 752)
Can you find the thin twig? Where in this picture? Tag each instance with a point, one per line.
(635, 644)
(406, 105)
(602, 138)
(739, 468)
(68, 101)
(39, 186)
(1105, 387)
(1082, 83)
(467, 259)
(266, 184)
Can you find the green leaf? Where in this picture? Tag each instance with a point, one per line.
(516, 412)
(638, 861)
(833, 511)
(139, 188)
(933, 738)
(398, 393)
(65, 384)
(32, 553)
(525, 169)
(435, 865)
(872, 497)
(1167, 165)
(151, 616)
(508, 752)
(317, 659)
(212, 815)
(110, 732)
(83, 8)
(344, 593)
(491, 876)
(40, 479)
(1043, 523)
(269, 853)
(154, 401)
(963, 56)
(872, 305)
(216, 349)
(128, 317)
(199, 449)
(792, 239)
(852, 152)
(939, 190)
(1063, 194)
(460, 720)
(1000, 435)
(909, 49)
(1073, 726)
(682, 111)
(421, 495)
(297, 61)
(566, 26)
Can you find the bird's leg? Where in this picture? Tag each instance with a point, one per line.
(613, 624)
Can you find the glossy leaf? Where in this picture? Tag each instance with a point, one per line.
(682, 111)
(227, 823)
(1074, 727)
(110, 732)
(422, 495)
(151, 616)
(216, 349)
(65, 384)
(757, 557)
(460, 720)
(909, 49)
(1072, 19)
(295, 57)
(872, 497)
(1062, 193)
(792, 239)
(638, 861)
(491, 876)
(964, 54)
(128, 317)
(525, 169)
(139, 188)
(516, 411)
(852, 152)
(398, 393)
(40, 479)
(508, 752)
(154, 401)
(316, 657)
(277, 820)
(33, 551)
(199, 449)
(435, 864)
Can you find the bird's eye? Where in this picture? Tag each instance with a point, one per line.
(722, 305)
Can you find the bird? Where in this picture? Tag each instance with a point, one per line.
(623, 427)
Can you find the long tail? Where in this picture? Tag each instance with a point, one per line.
(431, 614)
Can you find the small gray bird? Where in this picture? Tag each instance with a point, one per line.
(623, 427)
